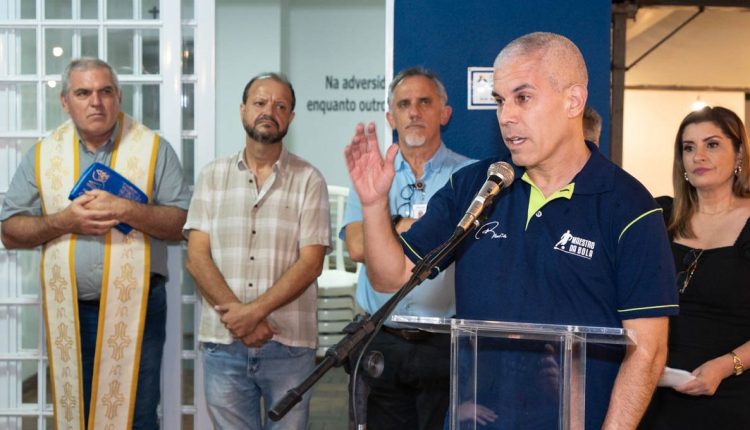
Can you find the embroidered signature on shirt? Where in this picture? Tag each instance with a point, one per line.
(489, 228)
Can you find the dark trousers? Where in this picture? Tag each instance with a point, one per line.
(149, 372)
(414, 390)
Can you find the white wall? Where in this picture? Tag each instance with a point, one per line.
(341, 39)
(650, 123)
(307, 40)
(248, 42)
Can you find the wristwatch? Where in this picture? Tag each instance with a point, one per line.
(738, 367)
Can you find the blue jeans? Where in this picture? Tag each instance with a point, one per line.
(236, 377)
(149, 373)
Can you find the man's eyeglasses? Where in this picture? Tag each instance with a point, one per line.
(404, 209)
(690, 261)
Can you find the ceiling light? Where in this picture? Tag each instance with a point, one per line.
(698, 104)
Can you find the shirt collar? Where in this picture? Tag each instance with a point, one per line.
(596, 176)
(108, 146)
(434, 164)
(279, 166)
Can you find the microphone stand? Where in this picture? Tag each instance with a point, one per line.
(361, 328)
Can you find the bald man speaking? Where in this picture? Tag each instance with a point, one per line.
(613, 269)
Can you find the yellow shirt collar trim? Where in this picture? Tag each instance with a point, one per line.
(537, 199)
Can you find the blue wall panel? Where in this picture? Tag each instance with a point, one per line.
(447, 36)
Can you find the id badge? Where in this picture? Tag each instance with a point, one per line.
(418, 209)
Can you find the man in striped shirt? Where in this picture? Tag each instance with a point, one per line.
(258, 228)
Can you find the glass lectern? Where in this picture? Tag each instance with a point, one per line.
(517, 375)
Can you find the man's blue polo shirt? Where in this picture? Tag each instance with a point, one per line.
(594, 253)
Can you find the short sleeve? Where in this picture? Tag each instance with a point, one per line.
(22, 197)
(315, 221)
(646, 285)
(170, 187)
(199, 212)
(352, 212)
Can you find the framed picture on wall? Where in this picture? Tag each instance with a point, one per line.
(479, 96)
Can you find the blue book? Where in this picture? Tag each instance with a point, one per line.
(101, 177)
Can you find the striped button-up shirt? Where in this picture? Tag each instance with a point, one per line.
(256, 235)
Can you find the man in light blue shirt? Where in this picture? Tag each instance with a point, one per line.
(413, 391)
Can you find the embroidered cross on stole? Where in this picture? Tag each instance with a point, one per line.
(125, 284)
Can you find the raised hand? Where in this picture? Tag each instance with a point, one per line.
(371, 174)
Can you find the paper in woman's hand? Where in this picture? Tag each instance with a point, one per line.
(674, 377)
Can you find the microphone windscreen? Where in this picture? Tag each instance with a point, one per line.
(502, 170)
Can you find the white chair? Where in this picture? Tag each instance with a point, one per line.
(336, 285)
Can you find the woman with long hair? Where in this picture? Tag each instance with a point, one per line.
(709, 226)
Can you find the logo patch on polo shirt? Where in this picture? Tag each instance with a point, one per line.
(574, 245)
(490, 230)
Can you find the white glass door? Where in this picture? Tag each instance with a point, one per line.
(164, 67)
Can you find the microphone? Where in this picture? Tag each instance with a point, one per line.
(499, 175)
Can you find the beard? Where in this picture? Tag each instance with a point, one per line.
(265, 137)
(414, 141)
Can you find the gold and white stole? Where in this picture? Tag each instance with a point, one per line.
(125, 284)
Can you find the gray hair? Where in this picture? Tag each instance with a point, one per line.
(86, 63)
(556, 49)
(417, 71)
